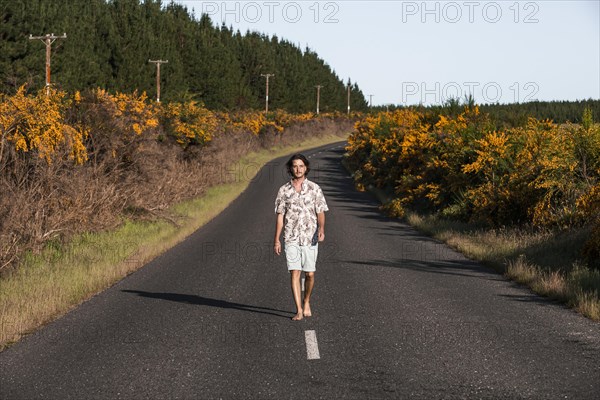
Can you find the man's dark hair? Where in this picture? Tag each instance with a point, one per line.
(290, 164)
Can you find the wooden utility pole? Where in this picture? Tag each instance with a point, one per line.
(267, 95)
(348, 98)
(48, 39)
(318, 96)
(158, 62)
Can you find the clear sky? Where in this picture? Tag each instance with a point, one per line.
(410, 52)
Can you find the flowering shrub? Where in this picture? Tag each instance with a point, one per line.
(541, 174)
(36, 124)
(190, 123)
(133, 114)
(256, 122)
(100, 123)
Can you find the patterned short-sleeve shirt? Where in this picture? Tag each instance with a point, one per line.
(300, 211)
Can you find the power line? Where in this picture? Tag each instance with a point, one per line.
(48, 39)
(158, 62)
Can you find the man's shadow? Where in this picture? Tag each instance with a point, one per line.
(205, 301)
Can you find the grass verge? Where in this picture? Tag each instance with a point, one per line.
(49, 284)
(545, 261)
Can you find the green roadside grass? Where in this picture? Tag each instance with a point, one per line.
(545, 261)
(48, 285)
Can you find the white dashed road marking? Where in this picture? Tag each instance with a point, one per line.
(312, 347)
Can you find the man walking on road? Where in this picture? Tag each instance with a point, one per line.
(300, 207)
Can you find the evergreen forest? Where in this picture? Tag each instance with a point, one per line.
(110, 42)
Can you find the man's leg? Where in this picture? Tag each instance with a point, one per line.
(309, 282)
(296, 292)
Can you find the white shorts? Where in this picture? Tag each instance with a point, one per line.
(302, 258)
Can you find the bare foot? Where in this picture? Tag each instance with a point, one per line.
(297, 317)
(307, 312)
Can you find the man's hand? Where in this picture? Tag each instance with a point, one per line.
(321, 235)
(277, 248)
(321, 225)
(278, 228)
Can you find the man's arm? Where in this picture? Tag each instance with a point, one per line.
(321, 222)
(278, 228)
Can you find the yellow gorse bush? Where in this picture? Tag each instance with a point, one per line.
(99, 122)
(543, 174)
(190, 123)
(135, 113)
(36, 124)
(491, 152)
(256, 122)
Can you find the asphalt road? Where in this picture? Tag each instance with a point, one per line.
(396, 315)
